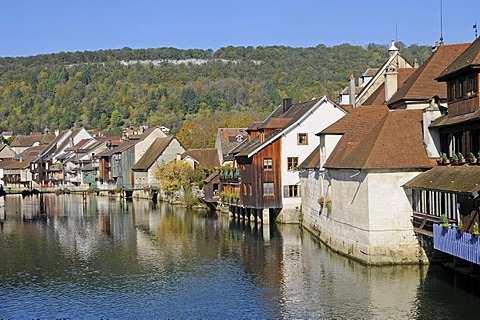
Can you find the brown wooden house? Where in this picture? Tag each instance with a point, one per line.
(268, 161)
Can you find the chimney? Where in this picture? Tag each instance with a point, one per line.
(434, 48)
(360, 82)
(286, 103)
(391, 76)
(352, 91)
(415, 63)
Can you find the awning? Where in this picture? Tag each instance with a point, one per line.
(463, 179)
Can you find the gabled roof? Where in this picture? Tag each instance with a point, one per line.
(370, 72)
(312, 161)
(453, 179)
(422, 84)
(228, 138)
(254, 126)
(376, 138)
(346, 90)
(205, 157)
(71, 134)
(127, 144)
(118, 149)
(30, 140)
(468, 59)
(6, 163)
(284, 121)
(378, 74)
(152, 153)
(378, 96)
(31, 152)
(15, 165)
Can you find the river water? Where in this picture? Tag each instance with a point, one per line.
(61, 257)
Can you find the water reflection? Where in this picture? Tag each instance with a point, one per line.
(65, 257)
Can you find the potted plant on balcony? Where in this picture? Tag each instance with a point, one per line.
(461, 158)
(460, 227)
(476, 230)
(444, 221)
(445, 159)
(440, 159)
(471, 157)
(454, 158)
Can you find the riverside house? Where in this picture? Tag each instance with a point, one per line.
(352, 184)
(116, 163)
(268, 160)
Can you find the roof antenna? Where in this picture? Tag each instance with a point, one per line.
(396, 32)
(441, 22)
(476, 31)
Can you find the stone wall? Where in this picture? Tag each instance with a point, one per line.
(370, 216)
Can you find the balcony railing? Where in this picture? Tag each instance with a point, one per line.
(229, 175)
(459, 244)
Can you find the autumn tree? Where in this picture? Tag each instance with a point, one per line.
(173, 175)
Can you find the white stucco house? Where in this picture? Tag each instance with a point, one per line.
(161, 151)
(354, 200)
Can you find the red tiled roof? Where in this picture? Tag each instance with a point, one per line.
(374, 138)
(205, 157)
(468, 58)
(422, 84)
(312, 161)
(30, 140)
(275, 123)
(20, 164)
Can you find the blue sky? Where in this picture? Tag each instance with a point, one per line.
(29, 27)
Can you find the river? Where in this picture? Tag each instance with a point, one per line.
(62, 257)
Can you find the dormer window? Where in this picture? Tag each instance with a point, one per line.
(239, 138)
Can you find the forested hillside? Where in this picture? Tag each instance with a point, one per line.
(229, 87)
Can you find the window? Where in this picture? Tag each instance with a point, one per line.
(267, 164)
(472, 85)
(250, 189)
(292, 163)
(463, 88)
(452, 90)
(268, 188)
(291, 191)
(302, 138)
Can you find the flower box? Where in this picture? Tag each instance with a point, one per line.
(456, 243)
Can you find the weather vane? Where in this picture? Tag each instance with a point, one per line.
(475, 28)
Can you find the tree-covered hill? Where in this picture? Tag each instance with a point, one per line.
(109, 89)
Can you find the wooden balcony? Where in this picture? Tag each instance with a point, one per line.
(463, 106)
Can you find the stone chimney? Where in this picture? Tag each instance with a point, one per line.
(286, 104)
(415, 63)
(360, 82)
(352, 90)
(392, 50)
(391, 76)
